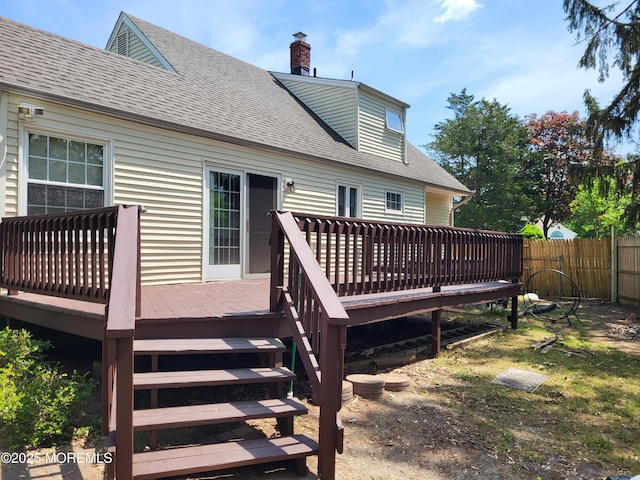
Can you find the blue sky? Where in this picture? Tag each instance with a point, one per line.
(516, 51)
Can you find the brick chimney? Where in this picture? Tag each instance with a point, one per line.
(300, 55)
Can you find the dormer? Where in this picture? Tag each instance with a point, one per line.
(127, 40)
(370, 120)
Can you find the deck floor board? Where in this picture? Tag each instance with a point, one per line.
(235, 298)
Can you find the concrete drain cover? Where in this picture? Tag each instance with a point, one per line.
(520, 379)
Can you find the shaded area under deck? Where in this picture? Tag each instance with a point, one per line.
(220, 308)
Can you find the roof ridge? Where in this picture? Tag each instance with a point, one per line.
(147, 28)
(213, 95)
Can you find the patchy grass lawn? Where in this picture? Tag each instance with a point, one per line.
(588, 409)
(454, 424)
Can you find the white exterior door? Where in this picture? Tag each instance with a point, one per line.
(224, 214)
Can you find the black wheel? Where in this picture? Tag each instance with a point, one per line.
(559, 298)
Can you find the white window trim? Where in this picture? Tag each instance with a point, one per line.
(389, 210)
(23, 170)
(386, 121)
(349, 185)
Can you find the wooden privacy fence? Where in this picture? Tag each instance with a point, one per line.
(586, 261)
(628, 284)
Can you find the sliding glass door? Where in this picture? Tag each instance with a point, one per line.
(238, 226)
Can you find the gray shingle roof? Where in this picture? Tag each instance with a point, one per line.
(211, 94)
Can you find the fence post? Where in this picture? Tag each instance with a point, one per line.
(614, 264)
(560, 292)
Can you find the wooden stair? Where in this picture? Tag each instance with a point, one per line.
(213, 413)
(182, 460)
(206, 378)
(151, 465)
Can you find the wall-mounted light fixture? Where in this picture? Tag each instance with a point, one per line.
(29, 112)
(291, 185)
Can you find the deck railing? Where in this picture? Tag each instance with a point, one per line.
(68, 255)
(316, 259)
(362, 256)
(90, 255)
(318, 322)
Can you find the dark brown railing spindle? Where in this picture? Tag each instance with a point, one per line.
(366, 257)
(68, 255)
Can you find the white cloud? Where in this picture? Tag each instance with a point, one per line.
(412, 24)
(457, 10)
(529, 76)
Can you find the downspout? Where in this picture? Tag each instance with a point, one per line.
(457, 205)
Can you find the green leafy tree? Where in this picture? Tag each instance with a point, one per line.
(593, 214)
(611, 35)
(560, 144)
(486, 148)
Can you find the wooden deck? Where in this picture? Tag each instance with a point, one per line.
(205, 300)
(192, 305)
(339, 273)
(161, 304)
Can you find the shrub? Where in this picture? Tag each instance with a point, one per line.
(532, 232)
(17, 348)
(39, 404)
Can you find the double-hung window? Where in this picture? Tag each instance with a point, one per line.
(64, 174)
(394, 202)
(348, 201)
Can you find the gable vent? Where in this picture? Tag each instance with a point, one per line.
(123, 44)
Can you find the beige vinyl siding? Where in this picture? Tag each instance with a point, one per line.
(374, 137)
(336, 106)
(438, 208)
(163, 171)
(152, 168)
(137, 49)
(11, 167)
(316, 186)
(4, 107)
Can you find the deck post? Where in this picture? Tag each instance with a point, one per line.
(108, 351)
(514, 308)
(331, 366)
(277, 263)
(436, 330)
(139, 268)
(124, 408)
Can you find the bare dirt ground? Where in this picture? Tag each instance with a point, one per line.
(415, 434)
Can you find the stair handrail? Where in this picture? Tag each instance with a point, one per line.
(120, 315)
(318, 322)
